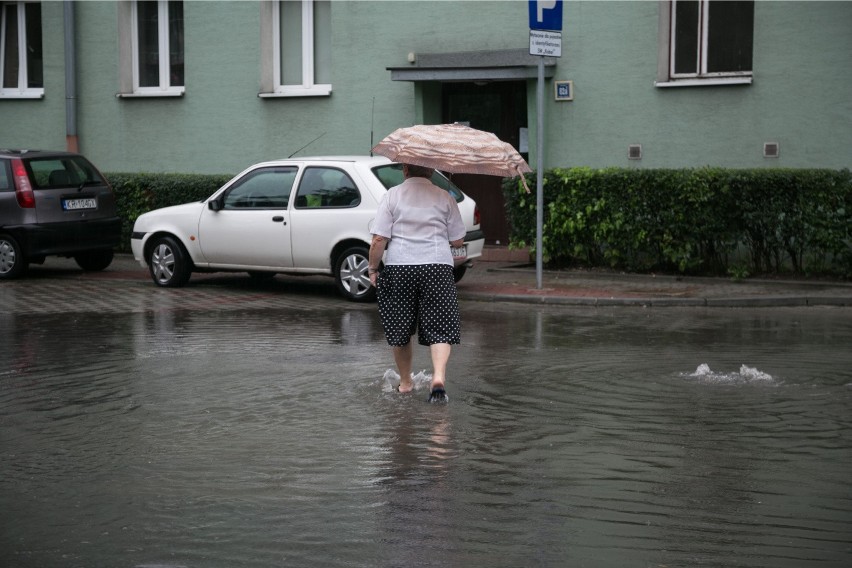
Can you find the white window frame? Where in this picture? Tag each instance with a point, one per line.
(21, 91)
(308, 88)
(165, 89)
(666, 76)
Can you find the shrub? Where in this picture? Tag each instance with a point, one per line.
(139, 193)
(697, 221)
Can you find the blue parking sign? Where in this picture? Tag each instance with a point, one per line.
(545, 15)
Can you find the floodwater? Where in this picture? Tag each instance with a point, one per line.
(573, 437)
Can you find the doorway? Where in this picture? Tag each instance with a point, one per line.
(499, 107)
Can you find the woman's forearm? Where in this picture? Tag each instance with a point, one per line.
(377, 250)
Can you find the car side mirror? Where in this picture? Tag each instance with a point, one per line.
(215, 205)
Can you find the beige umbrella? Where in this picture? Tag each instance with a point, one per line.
(453, 148)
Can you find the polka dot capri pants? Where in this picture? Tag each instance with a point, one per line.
(421, 298)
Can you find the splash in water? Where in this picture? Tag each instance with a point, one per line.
(746, 375)
(390, 380)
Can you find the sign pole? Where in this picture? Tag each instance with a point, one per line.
(545, 17)
(539, 176)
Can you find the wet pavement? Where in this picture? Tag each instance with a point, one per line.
(492, 281)
(514, 282)
(254, 424)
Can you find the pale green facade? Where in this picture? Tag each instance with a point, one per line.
(799, 99)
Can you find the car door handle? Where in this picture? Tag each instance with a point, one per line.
(278, 219)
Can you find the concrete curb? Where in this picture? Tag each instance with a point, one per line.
(760, 302)
(627, 276)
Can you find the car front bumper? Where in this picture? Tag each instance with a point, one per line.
(137, 247)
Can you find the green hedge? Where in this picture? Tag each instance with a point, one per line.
(695, 221)
(140, 193)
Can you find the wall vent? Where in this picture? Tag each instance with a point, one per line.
(634, 152)
(770, 150)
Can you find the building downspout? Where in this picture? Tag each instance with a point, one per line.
(71, 142)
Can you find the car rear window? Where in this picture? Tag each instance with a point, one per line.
(326, 187)
(391, 175)
(62, 172)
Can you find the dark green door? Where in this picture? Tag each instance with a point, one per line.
(499, 107)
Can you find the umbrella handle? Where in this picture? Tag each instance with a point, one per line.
(523, 179)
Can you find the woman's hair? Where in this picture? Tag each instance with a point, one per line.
(419, 171)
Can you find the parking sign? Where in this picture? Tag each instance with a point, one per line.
(545, 15)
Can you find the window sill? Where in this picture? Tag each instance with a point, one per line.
(704, 82)
(15, 94)
(298, 91)
(151, 94)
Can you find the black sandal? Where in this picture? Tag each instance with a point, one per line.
(438, 394)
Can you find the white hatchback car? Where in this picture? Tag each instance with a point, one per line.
(296, 216)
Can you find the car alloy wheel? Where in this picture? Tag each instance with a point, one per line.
(168, 263)
(352, 277)
(12, 261)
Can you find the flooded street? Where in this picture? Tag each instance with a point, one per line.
(231, 437)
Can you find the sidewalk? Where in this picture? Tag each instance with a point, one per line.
(511, 280)
(517, 282)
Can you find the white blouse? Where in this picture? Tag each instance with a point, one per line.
(419, 219)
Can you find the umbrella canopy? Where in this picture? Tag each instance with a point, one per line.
(453, 148)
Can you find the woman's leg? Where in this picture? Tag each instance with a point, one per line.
(398, 312)
(440, 356)
(403, 356)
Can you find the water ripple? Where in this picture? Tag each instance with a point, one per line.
(273, 437)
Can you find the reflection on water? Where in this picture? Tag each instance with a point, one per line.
(574, 437)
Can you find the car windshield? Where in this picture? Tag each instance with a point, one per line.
(62, 172)
(391, 175)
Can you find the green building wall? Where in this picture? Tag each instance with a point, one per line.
(799, 98)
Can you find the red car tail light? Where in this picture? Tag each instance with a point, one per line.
(476, 217)
(23, 189)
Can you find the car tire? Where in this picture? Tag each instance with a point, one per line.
(13, 263)
(459, 272)
(95, 260)
(351, 276)
(169, 263)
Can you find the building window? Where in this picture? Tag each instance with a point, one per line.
(151, 48)
(158, 45)
(708, 41)
(21, 60)
(298, 54)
